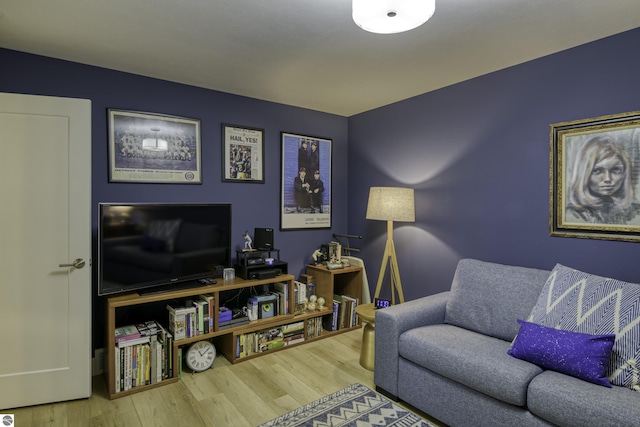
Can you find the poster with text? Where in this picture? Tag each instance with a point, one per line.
(153, 148)
(243, 154)
(305, 197)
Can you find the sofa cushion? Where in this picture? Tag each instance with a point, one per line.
(581, 302)
(567, 401)
(580, 355)
(477, 361)
(488, 298)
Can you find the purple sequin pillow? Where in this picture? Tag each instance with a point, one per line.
(580, 355)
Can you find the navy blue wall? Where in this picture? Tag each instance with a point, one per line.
(254, 205)
(477, 155)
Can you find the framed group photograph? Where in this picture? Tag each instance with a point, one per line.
(242, 154)
(305, 195)
(595, 178)
(153, 148)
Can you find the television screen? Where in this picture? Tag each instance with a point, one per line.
(153, 247)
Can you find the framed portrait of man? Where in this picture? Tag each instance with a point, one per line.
(595, 178)
(305, 196)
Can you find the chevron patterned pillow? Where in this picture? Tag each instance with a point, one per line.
(580, 302)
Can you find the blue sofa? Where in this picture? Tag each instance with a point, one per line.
(446, 355)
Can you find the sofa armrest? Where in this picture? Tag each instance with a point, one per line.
(392, 322)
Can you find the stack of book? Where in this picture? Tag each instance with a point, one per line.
(191, 317)
(314, 327)
(343, 314)
(269, 339)
(143, 355)
(293, 333)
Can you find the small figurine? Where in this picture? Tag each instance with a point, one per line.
(320, 301)
(247, 241)
(318, 257)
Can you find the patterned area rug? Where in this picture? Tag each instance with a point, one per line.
(355, 405)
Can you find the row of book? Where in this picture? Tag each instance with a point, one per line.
(314, 327)
(269, 339)
(343, 314)
(192, 317)
(143, 355)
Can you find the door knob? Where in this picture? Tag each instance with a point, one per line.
(77, 263)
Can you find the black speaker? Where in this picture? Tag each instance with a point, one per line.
(262, 274)
(263, 238)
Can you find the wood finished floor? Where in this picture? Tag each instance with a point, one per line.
(244, 395)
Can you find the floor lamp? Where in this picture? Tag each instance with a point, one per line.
(391, 204)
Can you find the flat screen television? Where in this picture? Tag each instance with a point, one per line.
(147, 247)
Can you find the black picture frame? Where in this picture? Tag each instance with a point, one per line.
(242, 154)
(595, 178)
(153, 148)
(305, 203)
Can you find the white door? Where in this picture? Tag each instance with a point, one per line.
(45, 221)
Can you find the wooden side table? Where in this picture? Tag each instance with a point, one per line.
(367, 314)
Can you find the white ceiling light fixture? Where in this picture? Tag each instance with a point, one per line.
(392, 16)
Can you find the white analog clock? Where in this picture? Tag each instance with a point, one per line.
(200, 356)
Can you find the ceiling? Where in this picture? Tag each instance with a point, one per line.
(306, 53)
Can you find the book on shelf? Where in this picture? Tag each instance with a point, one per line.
(343, 314)
(209, 301)
(269, 339)
(351, 318)
(144, 360)
(293, 339)
(314, 327)
(292, 328)
(118, 369)
(293, 333)
(158, 339)
(192, 317)
(330, 321)
(340, 315)
(182, 321)
(132, 342)
(283, 289)
(149, 328)
(300, 291)
(126, 333)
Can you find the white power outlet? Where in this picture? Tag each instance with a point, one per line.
(98, 362)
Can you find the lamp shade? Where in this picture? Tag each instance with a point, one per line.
(391, 204)
(391, 16)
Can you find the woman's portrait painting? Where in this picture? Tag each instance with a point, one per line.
(595, 183)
